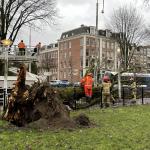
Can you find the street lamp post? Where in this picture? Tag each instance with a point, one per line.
(119, 75)
(97, 58)
(5, 43)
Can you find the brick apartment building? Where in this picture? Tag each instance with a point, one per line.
(78, 47)
(144, 58)
(48, 62)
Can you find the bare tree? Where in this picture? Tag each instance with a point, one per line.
(146, 1)
(130, 31)
(16, 13)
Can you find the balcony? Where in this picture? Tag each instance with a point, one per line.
(15, 55)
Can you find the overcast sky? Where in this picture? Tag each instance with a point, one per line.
(72, 14)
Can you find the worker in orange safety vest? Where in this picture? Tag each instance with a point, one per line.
(87, 81)
(21, 47)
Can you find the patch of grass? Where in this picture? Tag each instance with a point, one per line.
(117, 129)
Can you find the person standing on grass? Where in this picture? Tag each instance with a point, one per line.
(133, 88)
(87, 81)
(106, 94)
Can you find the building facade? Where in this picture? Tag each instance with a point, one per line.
(144, 58)
(77, 49)
(48, 62)
(81, 49)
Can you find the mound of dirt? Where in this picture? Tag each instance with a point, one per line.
(82, 120)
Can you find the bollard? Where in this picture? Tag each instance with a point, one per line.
(142, 96)
(101, 101)
(123, 99)
(74, 97)
(4, 100)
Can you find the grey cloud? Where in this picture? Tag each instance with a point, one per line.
(74, 13)
(73, 2)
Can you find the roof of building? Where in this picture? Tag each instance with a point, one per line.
(87, 30)
(77, 31)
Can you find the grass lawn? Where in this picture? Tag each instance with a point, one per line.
(117, 129)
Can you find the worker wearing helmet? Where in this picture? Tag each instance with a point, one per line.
(87, 81)
(133, 88)
(106, 94)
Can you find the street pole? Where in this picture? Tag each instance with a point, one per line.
(119, 75)
(30, 37)
(97, 49)
(5, 43)
(5, 77)
(97, 57)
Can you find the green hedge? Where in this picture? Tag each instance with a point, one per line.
(71, 93)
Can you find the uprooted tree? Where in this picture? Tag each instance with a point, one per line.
(17, 13)
(131, 31)
(39, 106)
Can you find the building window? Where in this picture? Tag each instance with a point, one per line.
(87, 52)
(81, 51)
(112, 45)
(81, 74)
(93, 42)
(81, 62)
(64, 75)
(81, 42)
(104, 44)
(65, 45)
(70, 44)
(87, 41)
(87, 63)
(108, 45)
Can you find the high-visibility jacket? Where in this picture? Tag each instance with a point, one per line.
(82, 81)
(21, 45)
(106, 87)
(133, 85)
(88, 80)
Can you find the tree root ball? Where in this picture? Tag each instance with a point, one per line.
(42, 108)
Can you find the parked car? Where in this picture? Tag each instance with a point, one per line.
(64, 83)
(77, 84)
(55, 82)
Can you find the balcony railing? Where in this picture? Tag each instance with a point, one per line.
(14, 54)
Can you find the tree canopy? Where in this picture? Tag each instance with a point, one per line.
(16, 13)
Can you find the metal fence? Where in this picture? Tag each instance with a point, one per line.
(14, 53)
(142, 97)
